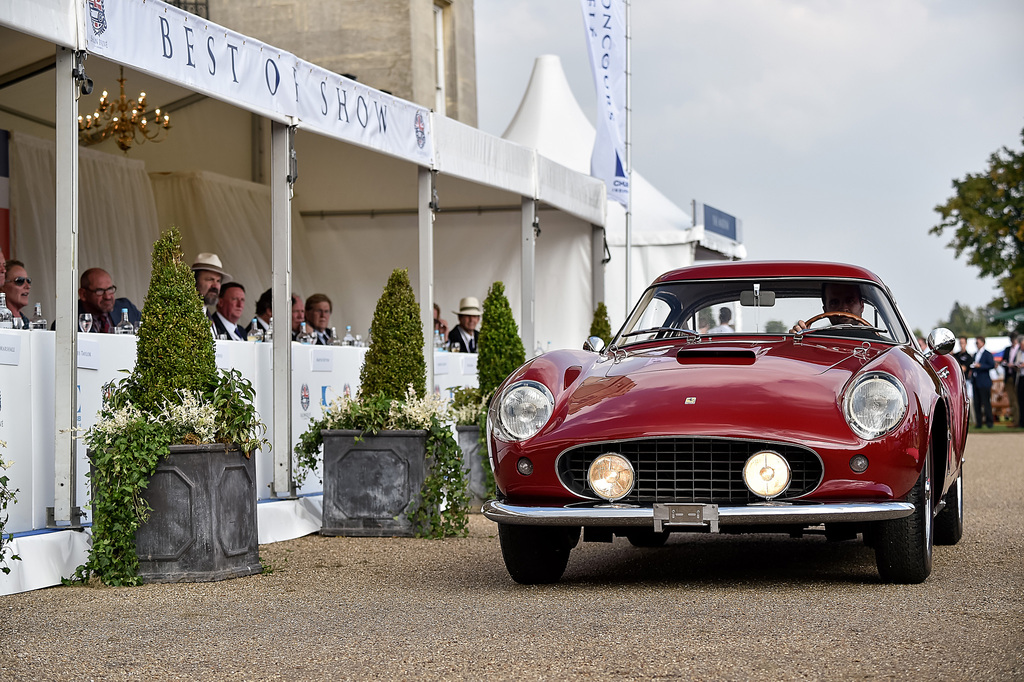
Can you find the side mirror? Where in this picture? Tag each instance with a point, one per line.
(595, 344)
(941, 341)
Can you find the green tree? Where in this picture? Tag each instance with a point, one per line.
(964, 321)
(395, 358)
(175, 347)
(501, 349)
(986, 215)
(601, 327)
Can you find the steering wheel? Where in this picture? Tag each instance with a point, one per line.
(840, 313)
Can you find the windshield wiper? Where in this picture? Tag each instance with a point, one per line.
(655, 330)
(834, 327)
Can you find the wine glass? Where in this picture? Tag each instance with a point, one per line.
(85, 322)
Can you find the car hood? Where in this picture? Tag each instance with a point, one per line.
(784, 389)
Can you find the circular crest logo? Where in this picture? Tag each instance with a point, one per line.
(421, 130)
(304, 397)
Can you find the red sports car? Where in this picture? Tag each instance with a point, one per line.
(750, 397)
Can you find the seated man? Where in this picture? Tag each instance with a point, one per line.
(838, 297)
(298, 315)
(318, 318)
(209, 276)
(265, 310)
(96, 295)
(229, 312)
(463, 338)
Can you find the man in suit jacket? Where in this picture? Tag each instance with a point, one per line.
(229, 311)
(96, 296)
(1010, 378)
(982, 383)
(463, 338)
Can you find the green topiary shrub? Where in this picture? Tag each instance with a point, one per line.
(501, 348)
(601, 327)
(395, 358)
(175, 347)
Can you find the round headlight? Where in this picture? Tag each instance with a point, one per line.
(611, 476)
(525, 409)
(875, 405)
(767, 474)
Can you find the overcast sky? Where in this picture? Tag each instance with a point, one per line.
(832, 128)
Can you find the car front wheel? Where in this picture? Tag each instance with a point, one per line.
(903, 547)
(536, 555)
(949, 524)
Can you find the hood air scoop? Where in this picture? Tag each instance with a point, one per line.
(716, 356)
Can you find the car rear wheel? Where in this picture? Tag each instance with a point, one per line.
(949, 524)
(645, 537)
(903, 547)
(536, 555)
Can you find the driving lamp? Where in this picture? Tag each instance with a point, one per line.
(875, 405)
(525, 408)
(611, 476)
(767, 474)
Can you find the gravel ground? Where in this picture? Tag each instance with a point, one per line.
(703, 607)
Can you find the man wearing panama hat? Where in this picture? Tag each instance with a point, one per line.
(463, 338)
(209, 276)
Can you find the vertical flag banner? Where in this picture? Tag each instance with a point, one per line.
(605, 24)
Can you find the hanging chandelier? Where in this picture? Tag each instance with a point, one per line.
(125, 120)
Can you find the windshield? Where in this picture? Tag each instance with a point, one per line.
(770, 306)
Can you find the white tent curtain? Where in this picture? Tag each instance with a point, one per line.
(232, 218)
(117, 218)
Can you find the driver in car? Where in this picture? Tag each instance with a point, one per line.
(838, 297)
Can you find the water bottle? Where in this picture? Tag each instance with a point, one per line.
(269, 335)
(349, 339)
(438, 343)
(304, 336)
(124, 326)
(6, 317)
(335, 339)
(255, 331)
(539, 350)
(38, 321)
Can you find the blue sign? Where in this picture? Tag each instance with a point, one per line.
(720, 223)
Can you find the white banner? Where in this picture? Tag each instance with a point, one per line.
(344, 109)
(605, 24)
(182, 48)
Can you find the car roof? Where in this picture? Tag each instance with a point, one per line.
(777, 268)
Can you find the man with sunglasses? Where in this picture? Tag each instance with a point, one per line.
(17, 286)
(96, 295)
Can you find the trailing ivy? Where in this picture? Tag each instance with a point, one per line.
(7, 496)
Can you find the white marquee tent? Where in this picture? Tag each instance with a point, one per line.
(460, 209)
(664, 236)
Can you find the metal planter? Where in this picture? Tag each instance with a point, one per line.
(473, 465)
(203, 524)
(372, 482)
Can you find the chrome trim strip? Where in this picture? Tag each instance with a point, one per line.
(758, 514)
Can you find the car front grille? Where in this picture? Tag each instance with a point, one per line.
(684, 469)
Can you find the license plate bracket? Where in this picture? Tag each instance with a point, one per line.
(685, 514)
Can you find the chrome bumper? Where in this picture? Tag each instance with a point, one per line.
(668, 516)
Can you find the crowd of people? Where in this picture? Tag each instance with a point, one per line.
(978, 367)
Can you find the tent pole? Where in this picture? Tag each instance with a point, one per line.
(530, 227)
(426, 206)
(282, 176)
(629, 161)
(64, 511)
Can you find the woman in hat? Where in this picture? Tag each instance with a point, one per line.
(463, 338)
